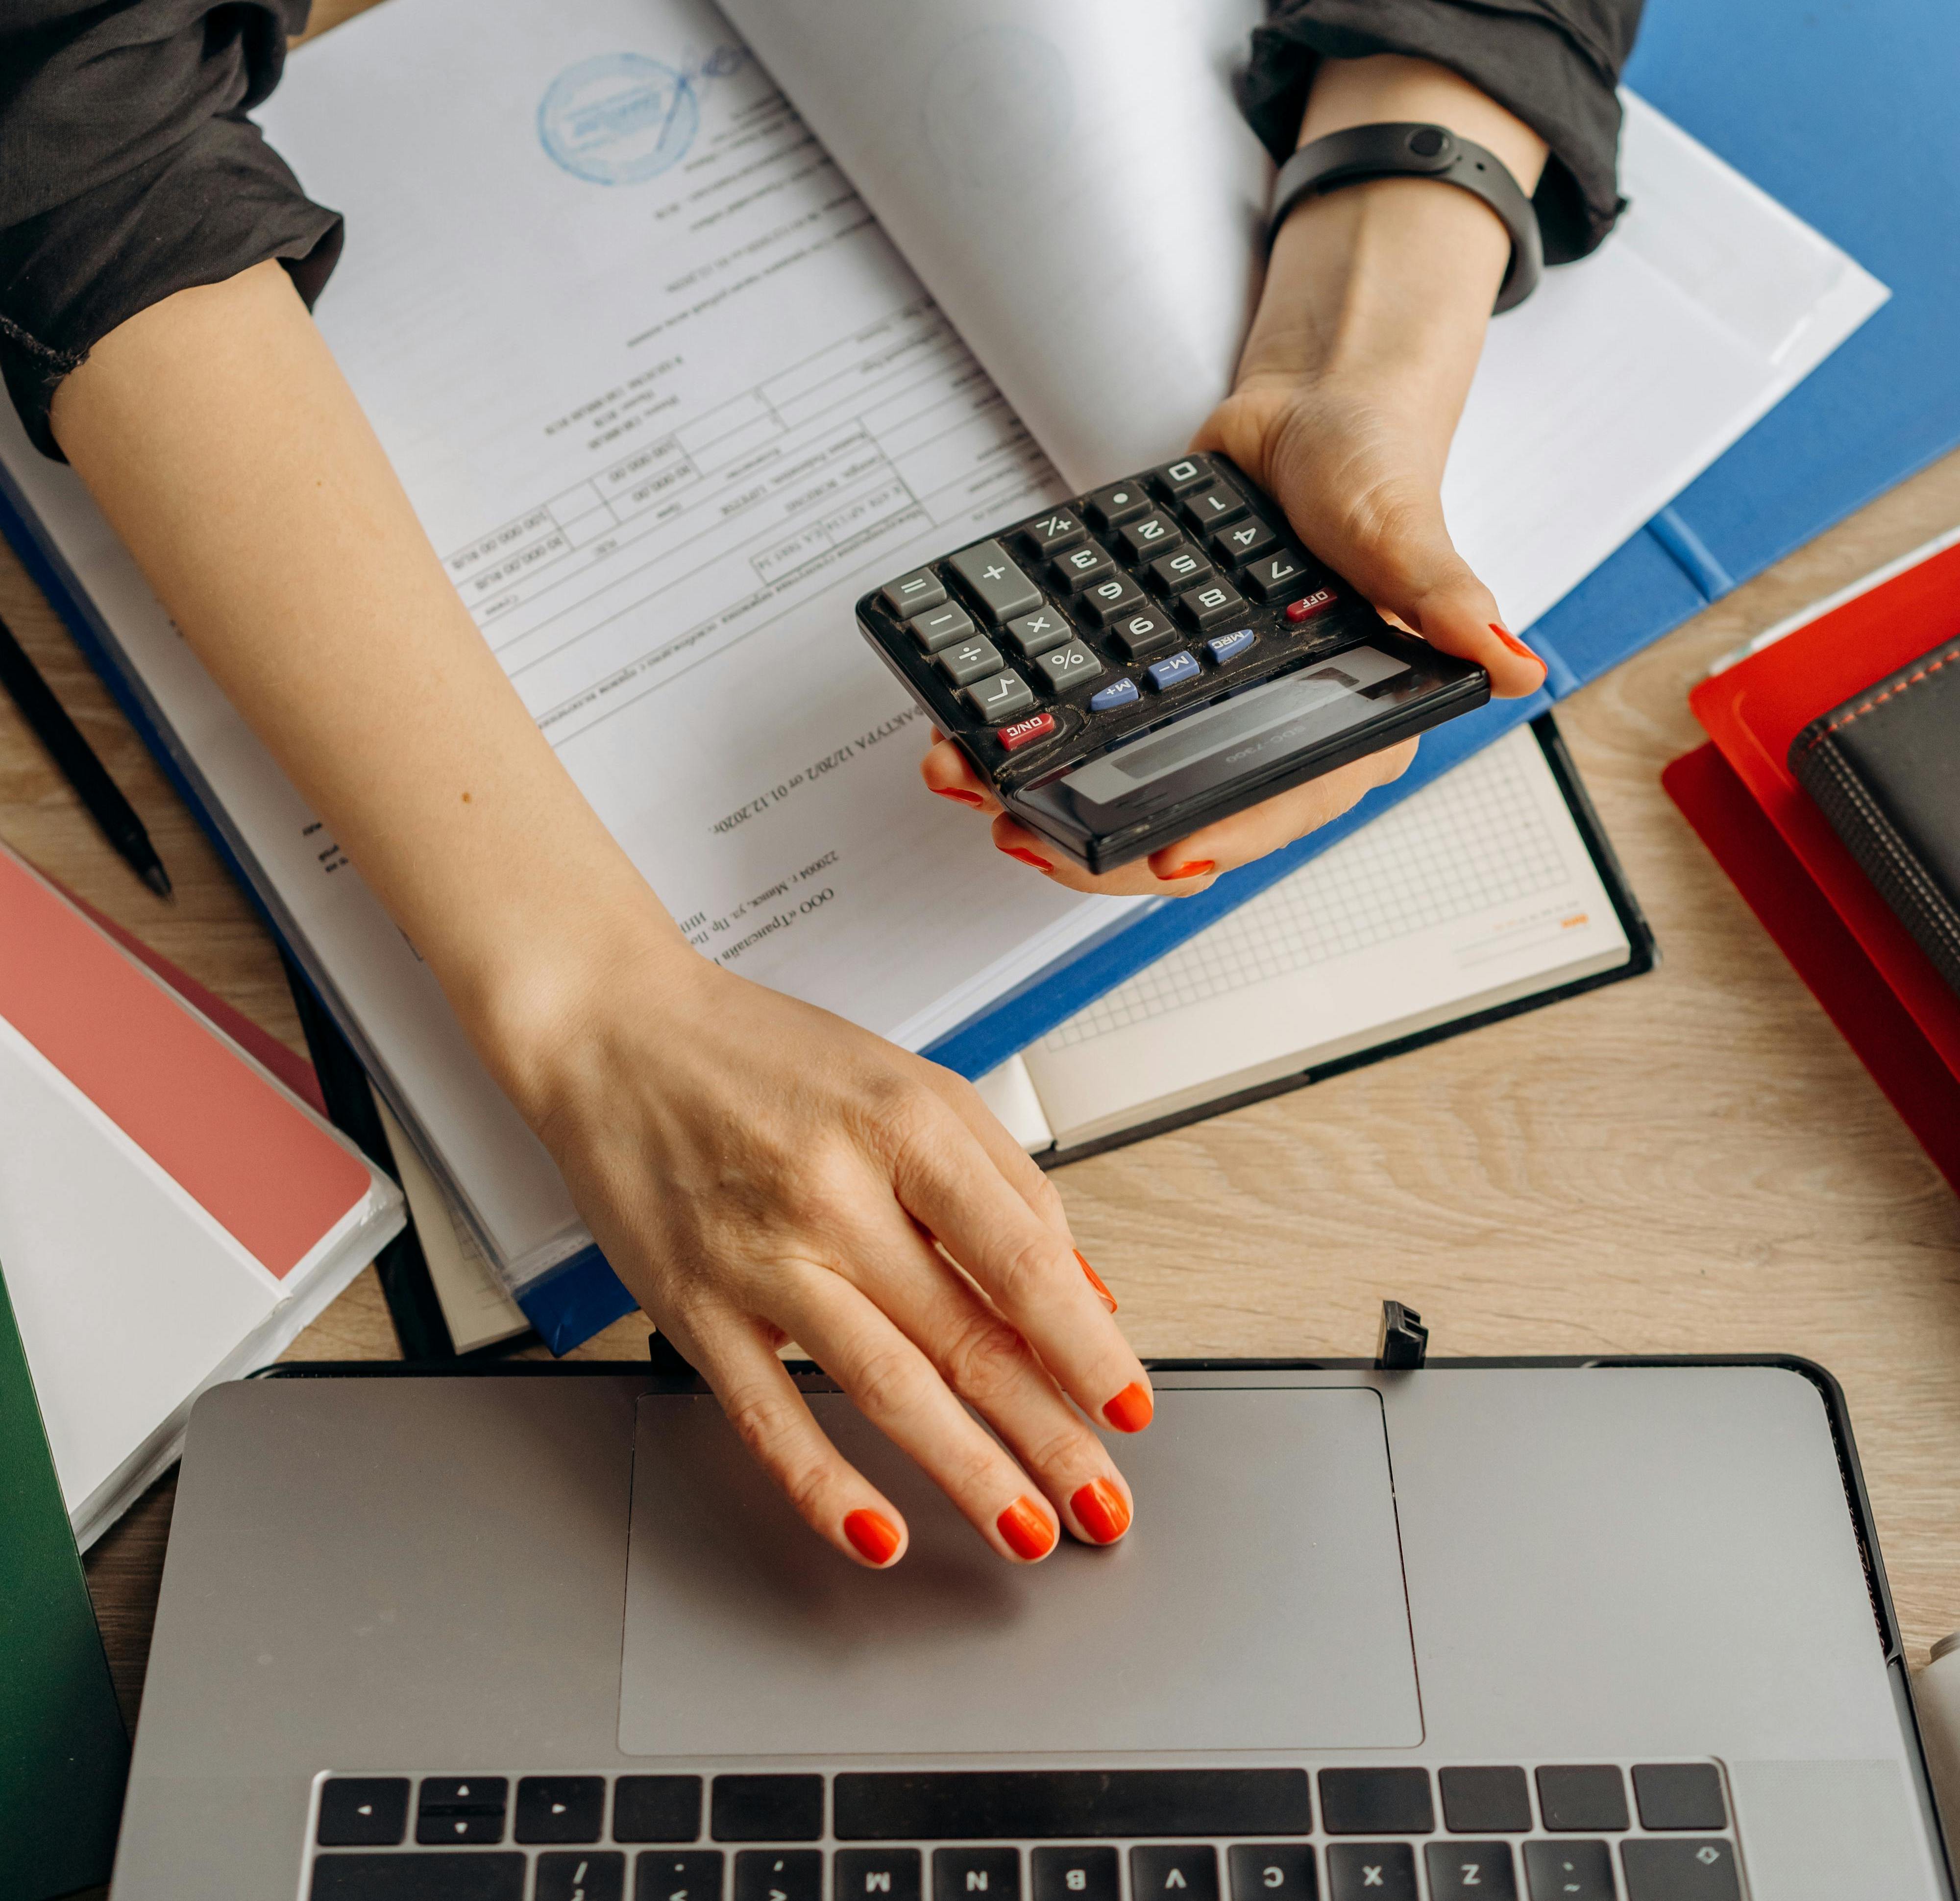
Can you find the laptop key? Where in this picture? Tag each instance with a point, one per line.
(1485, 1801)
(1587, 1800)
(1482, 1870)
(418, 1877)
(659, 1808)
(1569, 1872)
(560, 1808)
(979, 1805)
(679, 1877)
(1680, 1871)
(1173, 1872)
(363, 1811)
(1076, 1875)
(1376, 1802)
(1273, 1871)
(767, 1808)
(1674, 1795)
(457, 1809)
(976, 1874)
(779, 1875)
(575, 1874)
(875, 1875)
(1371, 1871)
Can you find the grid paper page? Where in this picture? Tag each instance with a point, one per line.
(1474, 838)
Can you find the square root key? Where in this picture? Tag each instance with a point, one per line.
(1005, 696)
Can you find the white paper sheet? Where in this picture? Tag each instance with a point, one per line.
(1076, 189)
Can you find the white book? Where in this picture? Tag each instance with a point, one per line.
(1487, 891)
(667, 395)
(171, 1214)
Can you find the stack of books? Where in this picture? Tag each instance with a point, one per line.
(1765, 707)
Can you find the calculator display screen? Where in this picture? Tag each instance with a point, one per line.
(1245, 735)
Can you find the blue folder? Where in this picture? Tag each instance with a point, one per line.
(1846, 115)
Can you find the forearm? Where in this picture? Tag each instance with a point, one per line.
(1393, 279)
(223, 446)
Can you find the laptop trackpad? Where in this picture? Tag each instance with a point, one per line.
(1258, 1604)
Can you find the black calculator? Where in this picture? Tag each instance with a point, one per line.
(1127, 666)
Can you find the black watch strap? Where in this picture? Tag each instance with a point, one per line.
(1360, 152)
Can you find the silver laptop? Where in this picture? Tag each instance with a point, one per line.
(1553, 1631)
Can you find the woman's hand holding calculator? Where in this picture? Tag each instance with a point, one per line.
(1367, 334)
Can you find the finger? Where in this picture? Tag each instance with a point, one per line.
(1018, 1168)
(1135, 880)
(774, 1421)
(1260, 829)
(1028, 1271)
(983, 1359)
(895, 1387)
(948, 772)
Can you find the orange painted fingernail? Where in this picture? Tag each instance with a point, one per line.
(1101, 1510)
(873, 1535)
(1198, 868)
(1024, 1528)
(1130, 1411)
(1516, 646)
(1108, 1299)
(1026, 856)
(955, 792)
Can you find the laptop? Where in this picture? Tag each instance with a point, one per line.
(1513, 1632)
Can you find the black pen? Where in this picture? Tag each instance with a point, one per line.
(78, 764)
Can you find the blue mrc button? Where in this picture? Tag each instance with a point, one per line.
(1229, 647)
(1166, 674)
(1119, 693)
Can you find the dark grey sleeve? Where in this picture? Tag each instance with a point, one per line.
(1554, 63)
(129, 170)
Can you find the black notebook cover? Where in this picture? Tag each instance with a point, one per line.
(1884, 768)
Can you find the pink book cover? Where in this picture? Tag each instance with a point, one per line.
(257, 1163)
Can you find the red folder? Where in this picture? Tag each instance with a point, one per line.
(1754, 710)
(1822, 950)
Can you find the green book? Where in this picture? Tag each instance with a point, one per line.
(64, 1753)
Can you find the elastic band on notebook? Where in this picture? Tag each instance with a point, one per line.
(1692, 555)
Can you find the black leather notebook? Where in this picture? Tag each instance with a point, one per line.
(1884, 769)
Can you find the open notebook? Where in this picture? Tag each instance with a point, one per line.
(1491, 891)
(667, 395)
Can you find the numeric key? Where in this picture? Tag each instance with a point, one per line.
(1181, 477)
(1143, 633)
(1105, 600)
(1206, 507)
(1211, 605)
(1075, 570)
(1153, 535)
(1278, 576)
(990, 576)
(1243, 542)
(1173, 573)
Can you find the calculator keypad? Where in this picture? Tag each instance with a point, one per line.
(1071, 626)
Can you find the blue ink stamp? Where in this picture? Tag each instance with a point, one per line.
(622, 118)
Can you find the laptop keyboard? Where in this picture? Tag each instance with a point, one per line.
(1598, 1832)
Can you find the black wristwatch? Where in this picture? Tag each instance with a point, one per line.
(1363, 152)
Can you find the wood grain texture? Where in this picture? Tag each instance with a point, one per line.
(1691, 1162)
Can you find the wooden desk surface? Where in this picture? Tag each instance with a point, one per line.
(1692, 1162)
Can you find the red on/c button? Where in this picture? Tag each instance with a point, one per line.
(1021, 732)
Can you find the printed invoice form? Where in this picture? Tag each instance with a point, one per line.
(666, 401)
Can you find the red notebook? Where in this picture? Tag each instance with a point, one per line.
(1752, 711)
